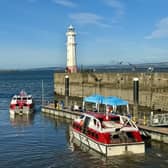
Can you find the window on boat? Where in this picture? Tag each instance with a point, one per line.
(29, 98)
(89, 132)
(126, 121)
(94, 121)
(96, 136)
(130, 136)
(82, 116)
(19, 98)
(122, 109)
(100, 119)
(115, 136)
(24, 98)
(115, 119)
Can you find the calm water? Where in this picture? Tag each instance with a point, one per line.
(43, 141)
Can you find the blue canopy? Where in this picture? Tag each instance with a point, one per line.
(114, 101)
(95, 98)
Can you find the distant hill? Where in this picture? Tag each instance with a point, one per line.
(157, 67)
(146, 67)
(121, 67)
(48, 68)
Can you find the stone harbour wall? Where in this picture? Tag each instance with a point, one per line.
(153, 87)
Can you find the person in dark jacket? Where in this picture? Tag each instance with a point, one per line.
(55, 100)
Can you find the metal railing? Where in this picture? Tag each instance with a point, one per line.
(159, 119)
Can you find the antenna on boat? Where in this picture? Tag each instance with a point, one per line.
(42, 93)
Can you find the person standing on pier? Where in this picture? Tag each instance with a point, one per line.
(55, 100)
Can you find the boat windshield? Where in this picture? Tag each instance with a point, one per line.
(115, 119)
(82, 116)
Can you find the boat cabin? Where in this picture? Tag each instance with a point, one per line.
(115, 129)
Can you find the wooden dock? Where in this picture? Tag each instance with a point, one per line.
(156, 133)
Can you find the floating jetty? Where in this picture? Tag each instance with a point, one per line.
(157, 133)
(65, 113)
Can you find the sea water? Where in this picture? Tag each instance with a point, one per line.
(41, 140)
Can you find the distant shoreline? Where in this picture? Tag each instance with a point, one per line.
(6, 71)
(148, 67)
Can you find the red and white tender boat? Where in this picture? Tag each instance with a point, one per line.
(22, 104)
(112, 135)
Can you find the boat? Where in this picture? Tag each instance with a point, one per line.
(21, 104)
(114, 136)
(108, 133)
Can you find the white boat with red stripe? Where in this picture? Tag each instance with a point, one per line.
(21, 104)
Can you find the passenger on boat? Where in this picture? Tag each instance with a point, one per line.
(109, 109)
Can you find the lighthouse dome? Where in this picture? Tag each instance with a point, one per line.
(71, 28)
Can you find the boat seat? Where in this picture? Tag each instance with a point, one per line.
(108, 130)
(111, 124)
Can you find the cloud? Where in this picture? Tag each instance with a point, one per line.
(88, 18)
(161, 30)
(66, 3)
(117, 6)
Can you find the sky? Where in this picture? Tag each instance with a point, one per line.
(33, 32)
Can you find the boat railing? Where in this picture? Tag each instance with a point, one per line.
(159, 119)
(128, 122)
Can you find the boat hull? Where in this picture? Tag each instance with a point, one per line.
(21, 111)
(109, 149)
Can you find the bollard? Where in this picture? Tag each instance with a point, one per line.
(135, 98)
(136, 90)
(66, 85)
(66, 90)
(144, 123)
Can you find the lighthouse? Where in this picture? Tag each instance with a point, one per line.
(71, 50)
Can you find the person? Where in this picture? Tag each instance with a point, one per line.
(62, 104)
(75, 107)
(55, 100)
(55, 103)
(109, 108)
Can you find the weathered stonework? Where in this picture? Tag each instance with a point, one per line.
(153, 87)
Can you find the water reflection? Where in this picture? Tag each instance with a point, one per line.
(22, 120)
(80, 155)
(95, 159)
(154, 156)
(57, 121)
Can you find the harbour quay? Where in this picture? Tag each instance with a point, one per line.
(153, 87)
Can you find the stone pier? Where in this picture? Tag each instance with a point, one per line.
(153, 87)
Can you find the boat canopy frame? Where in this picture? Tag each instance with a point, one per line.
(107, 101)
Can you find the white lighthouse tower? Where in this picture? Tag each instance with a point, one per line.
(71, 50)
